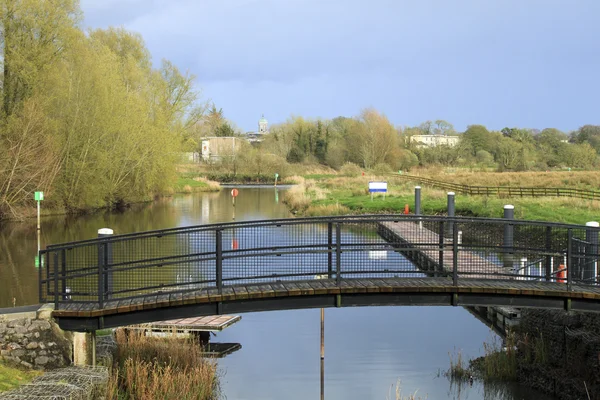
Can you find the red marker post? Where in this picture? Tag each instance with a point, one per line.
(234, 193)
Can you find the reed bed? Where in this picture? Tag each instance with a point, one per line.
(161, 368)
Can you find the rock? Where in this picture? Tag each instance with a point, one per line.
(18, 353)
(42, 360)
(43, 353)
(17, 322)
(32, 346)
(42, 345)
(40, 325)
(26, 364)
(20, 329)
(51, 344)
(4, 353)
(14, 346)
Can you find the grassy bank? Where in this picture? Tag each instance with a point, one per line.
(339, 195)
(189, 183)
(161, 368)
(11, 377)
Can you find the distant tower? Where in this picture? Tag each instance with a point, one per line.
(263, 125)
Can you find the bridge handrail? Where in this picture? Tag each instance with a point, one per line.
(78, 271)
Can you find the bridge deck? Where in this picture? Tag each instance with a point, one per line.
(265, 290)
(427, 242)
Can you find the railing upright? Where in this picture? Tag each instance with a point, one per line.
(338, 253)
(441, 233)
(569, 258)
(40, 266)
(101, 267)
(56, 280)
(455, 254)
(329, 250)
(219, 259)
(63, 272)
(548, 258)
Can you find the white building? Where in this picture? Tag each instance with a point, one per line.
(263, 129)
(434, 140)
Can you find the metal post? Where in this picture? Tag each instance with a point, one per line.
(63, 272)
(455, 255)
(329, 250)
(322, 333)
(441, 245)
(509, 215)
(101, 267)
(219, 258)
(417, 200)
(451, 210)
(38, 215)
(106, 260)
(56, 280)
(548, 257)
(590, 271)
(338, 253)
(569, 258)
(93, 337)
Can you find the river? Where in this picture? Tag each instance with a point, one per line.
(367, 350)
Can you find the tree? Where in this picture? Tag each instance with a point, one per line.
(476, 138)
(375, 138)
(443, 128)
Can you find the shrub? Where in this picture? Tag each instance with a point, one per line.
(351, 169)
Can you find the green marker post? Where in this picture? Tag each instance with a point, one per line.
(276, 176)
(39, 196)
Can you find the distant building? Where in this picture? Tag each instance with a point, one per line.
(263, 129)
(216, 148)
(434, 140)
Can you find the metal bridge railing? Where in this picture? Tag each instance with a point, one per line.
(373, 246)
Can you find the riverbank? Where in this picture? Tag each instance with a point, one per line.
(12, 377)
(339, 195)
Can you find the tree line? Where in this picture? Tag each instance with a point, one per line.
(84, 116)
(371, 141)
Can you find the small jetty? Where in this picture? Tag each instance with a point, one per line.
(432, 254)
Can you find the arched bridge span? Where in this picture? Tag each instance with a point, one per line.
(320, 262)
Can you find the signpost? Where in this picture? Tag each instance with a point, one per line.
(276, 176)
(377, 187)
(38, 196)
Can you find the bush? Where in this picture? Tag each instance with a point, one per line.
(382, 169)
(351, 169)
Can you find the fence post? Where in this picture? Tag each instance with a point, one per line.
(509, 215)
(106, 261)
(455, 254)
(548, 257)
(330, 249)
(451, 211)
(338, 253)
(219, 259)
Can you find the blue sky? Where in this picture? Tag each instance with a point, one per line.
(516, 63)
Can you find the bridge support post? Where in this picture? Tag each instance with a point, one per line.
(84, 348)
(509, 215)
(591, 266)
(451, 211)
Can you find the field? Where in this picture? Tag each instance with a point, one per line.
(325, 196)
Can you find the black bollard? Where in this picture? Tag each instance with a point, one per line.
(105, 258)
(509, 214)
(590, 269)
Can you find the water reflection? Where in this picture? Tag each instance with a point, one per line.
(367, 348)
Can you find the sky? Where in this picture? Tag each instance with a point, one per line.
(515, 63)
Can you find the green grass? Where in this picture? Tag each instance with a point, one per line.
(11, 377)
(319, 176)
(187, 184)
(559, 209)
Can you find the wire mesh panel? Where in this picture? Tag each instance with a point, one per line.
(349, 247)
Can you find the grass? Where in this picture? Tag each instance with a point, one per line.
(189, 184)
(350, 195)
(11, 377)
(161, 368)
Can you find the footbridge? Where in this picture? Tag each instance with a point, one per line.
(295, 263)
